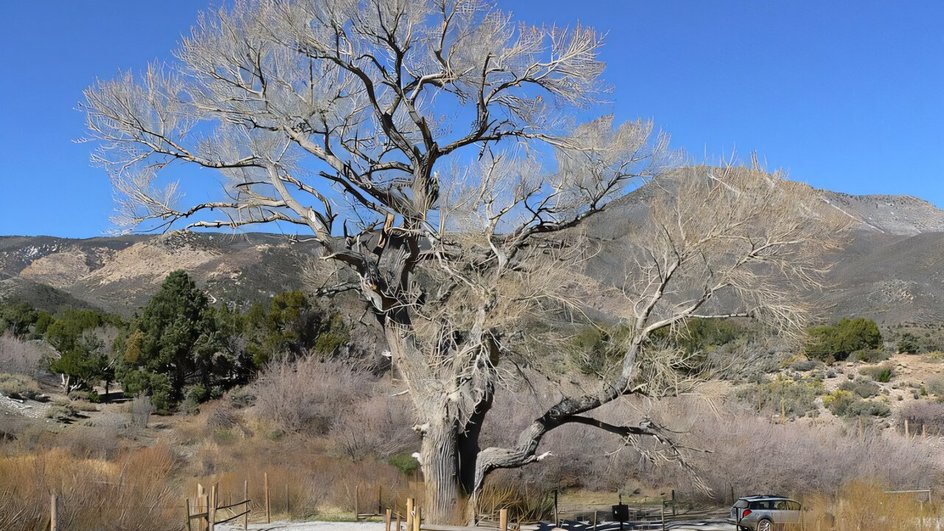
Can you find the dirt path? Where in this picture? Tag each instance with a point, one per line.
(377, 526)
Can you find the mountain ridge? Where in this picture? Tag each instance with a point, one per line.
(892, 268)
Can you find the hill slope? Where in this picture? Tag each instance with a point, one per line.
(892, 268)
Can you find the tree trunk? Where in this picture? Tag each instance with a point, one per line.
(444, 493)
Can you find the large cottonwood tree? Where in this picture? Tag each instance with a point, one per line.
(433, 148)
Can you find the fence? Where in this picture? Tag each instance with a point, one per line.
(655, 514)
(413, 516)
(209, 508)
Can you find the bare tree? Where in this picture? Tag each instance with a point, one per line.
(412, 139)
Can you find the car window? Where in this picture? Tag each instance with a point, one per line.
(793, 506)
(740, 504)
(781, 505)
(760, 505)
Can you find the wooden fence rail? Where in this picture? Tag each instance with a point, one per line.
(208, 506)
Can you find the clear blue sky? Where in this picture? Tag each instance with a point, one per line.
(846, 95)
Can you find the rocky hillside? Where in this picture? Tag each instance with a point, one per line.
(892, 268)
(119, 274)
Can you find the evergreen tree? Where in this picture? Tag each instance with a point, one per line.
(172, 343)
(17, 317)
(83, 358)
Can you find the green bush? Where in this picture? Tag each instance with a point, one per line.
(843, 403)
(882, 373)
(861, 387)
(908, 344)
(197, 393)
(838, 401)
(804, 365)
(868, 408)
(836, 342)
(405, 463)
(796, 398)
(591, 350)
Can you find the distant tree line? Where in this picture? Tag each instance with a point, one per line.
(178, 349)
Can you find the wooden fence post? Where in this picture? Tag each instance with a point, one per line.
(265, 486)
(201, 494)
(204, 520)
(246, 499)
(357, 512)
(418, 518)
(398, 520)
(594, 520)
(288, 502)
(387, 520)
(556, 512)
(53, 514)
(503, 520)
(211, 510)
(380, 494)
(663, 516)
(409, 514)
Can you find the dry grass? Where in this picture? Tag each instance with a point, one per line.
(867, 506)
(345, 432)
(134, 491)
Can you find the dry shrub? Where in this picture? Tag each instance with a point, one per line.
(307, 395)
(12, 427)
(747, 452)
(133, 492)
(19, 387)
(379, 426)
(867, 506)
(752, 455)
(525, 502)
(98, 442)
(922, 416)
(304, 480)
(21, 357)
(360, 416)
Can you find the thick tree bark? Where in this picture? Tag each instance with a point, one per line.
(440, 455)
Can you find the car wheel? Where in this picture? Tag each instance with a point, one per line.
(765, 525)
